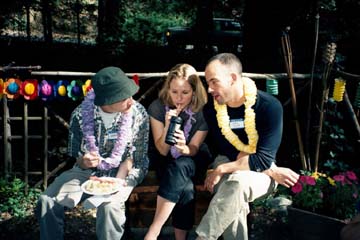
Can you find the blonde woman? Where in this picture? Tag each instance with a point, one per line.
(182, 95)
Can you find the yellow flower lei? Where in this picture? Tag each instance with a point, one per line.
(250, 128)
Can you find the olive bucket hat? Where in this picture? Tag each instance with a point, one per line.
(111, 85)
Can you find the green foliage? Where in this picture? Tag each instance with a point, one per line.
(136, 25)
(336, 146)
(147, 27)
(14, 200)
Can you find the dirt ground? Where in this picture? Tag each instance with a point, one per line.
(80, 224)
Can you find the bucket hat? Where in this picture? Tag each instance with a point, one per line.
(111, 85)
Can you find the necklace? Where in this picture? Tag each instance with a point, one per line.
(187, 127)
(123, 134)
(223, 120)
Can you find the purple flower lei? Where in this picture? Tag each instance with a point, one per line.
(123, 134)
(187, 127)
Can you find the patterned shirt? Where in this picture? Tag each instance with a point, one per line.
(106, 138)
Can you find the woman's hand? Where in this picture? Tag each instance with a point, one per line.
(168, 115)
(181, 142)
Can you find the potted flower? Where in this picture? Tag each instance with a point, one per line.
(334, 196)
(325, 202)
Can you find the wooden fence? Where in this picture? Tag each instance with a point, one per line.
(43, 135)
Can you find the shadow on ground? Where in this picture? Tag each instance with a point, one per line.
(80, 225)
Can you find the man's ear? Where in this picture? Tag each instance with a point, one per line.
(234, 77)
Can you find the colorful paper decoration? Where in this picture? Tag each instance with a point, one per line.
(29, 89)
(46, 90)
(136, 79)
(12, 88)
(86, 87)
(60, 89)
(339, 89)
(272, 86)
(74, 90)
(1, 87)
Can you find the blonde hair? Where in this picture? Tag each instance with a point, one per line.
(187, 72)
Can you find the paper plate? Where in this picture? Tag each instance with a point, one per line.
(102, 186)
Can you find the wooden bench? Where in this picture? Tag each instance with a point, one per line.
(142, 202)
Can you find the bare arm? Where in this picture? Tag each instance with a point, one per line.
(242, 163)
(283, 176)
(159, 130)
(124, 169)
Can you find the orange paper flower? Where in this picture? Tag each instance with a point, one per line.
(12, 88)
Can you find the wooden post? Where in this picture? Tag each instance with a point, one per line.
(310, 95)
(45, 148)
(286, 48)
(352, 114)
(6, 136)
(26, 147)
(328, 57)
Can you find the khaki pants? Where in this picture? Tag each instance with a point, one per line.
(229, 207)
(65, 191)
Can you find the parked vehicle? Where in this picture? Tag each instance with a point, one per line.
(223, 34)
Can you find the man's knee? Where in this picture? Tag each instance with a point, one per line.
(111, 208)
(44, 201)
(44, 204)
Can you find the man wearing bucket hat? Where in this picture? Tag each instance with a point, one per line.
(108, 137)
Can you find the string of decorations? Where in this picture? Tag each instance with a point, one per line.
(272, 86)
(339, 89)
(46, 90)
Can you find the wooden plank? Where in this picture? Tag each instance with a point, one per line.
(142, 202)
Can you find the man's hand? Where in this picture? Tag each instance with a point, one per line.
(212, 179)
(283, 176)
(89, 160)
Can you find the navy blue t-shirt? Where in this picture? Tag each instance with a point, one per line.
(269, 125)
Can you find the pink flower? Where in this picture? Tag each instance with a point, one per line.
(351, 175)
(302, 179)
(297, 188)
(339, 178)
(310, 180)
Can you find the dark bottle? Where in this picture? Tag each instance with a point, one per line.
(175, 124)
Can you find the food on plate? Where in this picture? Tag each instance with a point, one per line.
(101, 185)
